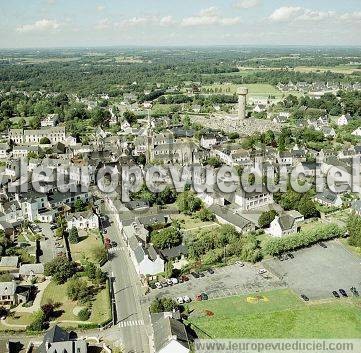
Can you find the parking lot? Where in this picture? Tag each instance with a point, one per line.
(317, 271)
(226, 281)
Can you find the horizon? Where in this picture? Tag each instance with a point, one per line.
(108, 23)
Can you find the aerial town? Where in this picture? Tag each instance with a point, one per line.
(154, 198)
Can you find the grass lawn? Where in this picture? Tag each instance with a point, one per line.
(101, 307)
(189, 223)
(279, 314)
(19, 318)
(57, 293)
(353, 249)
(83, 250)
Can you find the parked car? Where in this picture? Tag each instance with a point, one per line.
(335, 294)
(114, 244)
(305, 298)
(53, 227)
(158, 285)
(355, 292)
(170, 282)
(174, 280)
(322, 245)
(210, 271)
(290, 256)
(152, 286)
(239, 263)
(164, 283)
(201, 274)
(183, 279)
(262, 271)
(105, 231)
(195, 274)
(343, 292)
(198, 297)
(204, 296)
(186, 299)
(180, 300)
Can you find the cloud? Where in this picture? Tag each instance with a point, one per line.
(247, 4)
(105, 23)
(167, 21)
(285, 13)
(39, 26)
(290, 13)
(207, 17)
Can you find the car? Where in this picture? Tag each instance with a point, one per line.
(343, 292)
(305, 297)
(105, 231)
(281, 257)
(186, 299)
(170, 282)
(183, 279)
(210, 271)
(239, 263)
(204, 296)
(198, 297)
(53, 227)
(262, 271)
(201, 274)
(152, 286)
(322, 245)
(164, 283)
(158, 285)
(290, 256)
(355, 292)
(335, 294)
(180, 300)
(174, 280)
(195, 274)
(114, 244)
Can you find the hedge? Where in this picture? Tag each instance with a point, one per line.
(276, 246)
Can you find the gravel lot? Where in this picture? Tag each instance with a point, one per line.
(226, 281)
(316, 271)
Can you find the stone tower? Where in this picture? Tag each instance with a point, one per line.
(242, 98)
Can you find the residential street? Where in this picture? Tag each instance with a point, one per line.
(133, 320)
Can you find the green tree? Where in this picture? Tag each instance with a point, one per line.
(188, 203)
(166, 238)
(169, 269)
(354, 230)
(73, 236)
(266, 218)
(44, 141)
(205, 215)
(77, 289)
(79, 205)
(38, 321)
(60, 268)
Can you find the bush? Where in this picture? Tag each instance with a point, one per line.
(159, 305)
(38, 322)
(277, 246)
(84, 314)
(166, 238)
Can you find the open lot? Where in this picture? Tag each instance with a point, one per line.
(316, 271)
(276, 314)
(226, 281)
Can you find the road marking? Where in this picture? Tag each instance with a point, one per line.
(117, 248)
(130, 323)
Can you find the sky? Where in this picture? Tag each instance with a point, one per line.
(89, 23)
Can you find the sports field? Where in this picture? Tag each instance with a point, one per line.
(276, 314)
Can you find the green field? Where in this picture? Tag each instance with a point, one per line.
(281, 314)
(255, 90)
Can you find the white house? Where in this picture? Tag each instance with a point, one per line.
(83, 220)
(328, 198)
(344, 119)
(169, 334)
(207, 141)
(285, 224)
(50, 120)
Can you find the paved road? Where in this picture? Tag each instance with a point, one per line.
(48, 246)
(133, 321)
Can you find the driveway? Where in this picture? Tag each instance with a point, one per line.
(316, 271)
(48, 245)
(226, 281)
